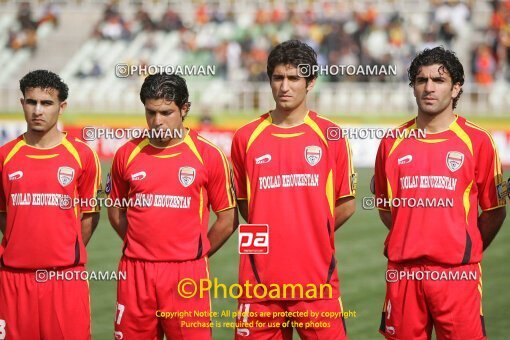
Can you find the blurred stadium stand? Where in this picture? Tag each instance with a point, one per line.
(84, 40)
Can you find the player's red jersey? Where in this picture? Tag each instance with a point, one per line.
(38, 188)
(171, 190)
(292, 178)
(455, 170)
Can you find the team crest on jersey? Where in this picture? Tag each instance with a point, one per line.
(65, 175)
(186, 175)
(313, 154)
(454, 160)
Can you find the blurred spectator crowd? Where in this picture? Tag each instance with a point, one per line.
(238, 40)
(23, 34)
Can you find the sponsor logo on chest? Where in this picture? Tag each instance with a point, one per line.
(15, 175)
(138, 176)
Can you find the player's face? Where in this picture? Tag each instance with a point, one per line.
(162, 114)
(433, 90)
(42, 108)
(289, 89)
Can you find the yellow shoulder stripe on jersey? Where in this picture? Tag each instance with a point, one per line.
(330, 193)
(226, 168)
(189, 142)
(497, 161)
(258, 130)
(72, 150)
(15, 149)
(42, 156)
(455, 127)
(288, 135)
(97, 180)
(465, 200)
(399, 140)
(404, 124)
(168, 156)
(138, 149)
(431, 141)
(315, 128)
(352, 189)
(322, 117)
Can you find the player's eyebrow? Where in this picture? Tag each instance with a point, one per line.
(438, 78)
(421, 79)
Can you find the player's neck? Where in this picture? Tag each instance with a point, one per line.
(291, 118)
(435, 123)
(44, 139)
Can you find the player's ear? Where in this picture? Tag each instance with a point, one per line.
(185, 109)
(456, 89)
(310, 85)
(22, 101)
(63, 106)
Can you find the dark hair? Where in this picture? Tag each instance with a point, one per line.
(44, 79)
(438, 55)
(295, 53)
(165, 86)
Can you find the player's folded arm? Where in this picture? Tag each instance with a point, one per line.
(344, 209)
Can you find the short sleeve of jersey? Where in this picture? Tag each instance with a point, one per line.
(380, 179)
(492, 190)
(90, 181)
(238, 156)
(119, 186)
(2, 193)
(219, 183)
(345, 176)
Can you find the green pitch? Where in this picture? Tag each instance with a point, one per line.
(360, 262)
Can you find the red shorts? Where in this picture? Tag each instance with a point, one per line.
(281, 316)
(149, 304)
(422, 296)
(43, 308)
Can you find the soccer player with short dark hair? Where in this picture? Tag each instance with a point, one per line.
(434, 250)
(42, 173)
(174, 180)
(290, 176)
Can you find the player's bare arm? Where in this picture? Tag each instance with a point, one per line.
(2, 222)
(118, 220)
(89, 223)
(489, 223)
(243, 208)
(344, 209)
(226, 223)
(385, 217)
